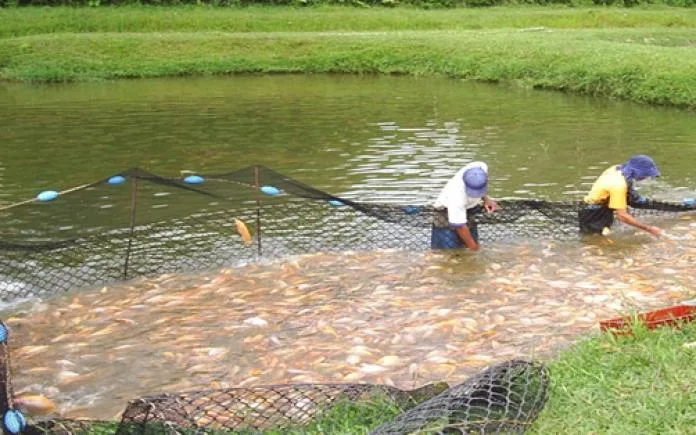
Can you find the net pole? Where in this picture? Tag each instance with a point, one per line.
(257, 184)
(134, 196)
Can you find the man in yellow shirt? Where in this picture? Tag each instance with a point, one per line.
(613, 192)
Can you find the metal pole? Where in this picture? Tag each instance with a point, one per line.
(257, 184)
(134, 195)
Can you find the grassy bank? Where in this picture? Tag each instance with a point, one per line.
(608, 385)
(642, 384)
(646, 55)
(34, 21)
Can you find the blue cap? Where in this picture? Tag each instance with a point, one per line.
(640, 166)
(475, 182)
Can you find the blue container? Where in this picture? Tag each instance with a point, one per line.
(116, 179)
(270, 190)
(194, 179)
(14, 421)
(689, 201)
(3, 333)
(411, 209)
(47, 195)
(335, 203)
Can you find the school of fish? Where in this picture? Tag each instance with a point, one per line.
(389, 317)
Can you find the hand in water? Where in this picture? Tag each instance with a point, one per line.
(490, 206)
(655, 231)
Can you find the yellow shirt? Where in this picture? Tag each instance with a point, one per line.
(610, 189)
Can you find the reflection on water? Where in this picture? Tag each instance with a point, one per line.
(383, 317)
(374, 138)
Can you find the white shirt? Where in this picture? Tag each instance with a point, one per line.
(454, 197)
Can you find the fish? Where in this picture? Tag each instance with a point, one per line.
(34, 404)
(243, 231)
(338, 317)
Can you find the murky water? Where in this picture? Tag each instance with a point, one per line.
(381, 317)
(381, 138)
(391, 317)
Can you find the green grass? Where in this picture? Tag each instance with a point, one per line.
(611, 63)
(628, 385)
(348, 418)
(34, 21)
(643, 55)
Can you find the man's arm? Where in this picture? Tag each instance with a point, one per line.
(623, 215)
(465, 234)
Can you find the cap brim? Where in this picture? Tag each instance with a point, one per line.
(654, 173)
(476, 192)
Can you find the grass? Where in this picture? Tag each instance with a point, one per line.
(36, 21)
(641, 384)
(647, 55)
(611, 63)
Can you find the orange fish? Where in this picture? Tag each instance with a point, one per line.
(243, 231)
(34, 404)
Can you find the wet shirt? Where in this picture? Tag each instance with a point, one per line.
(610, 189)
(453, 196)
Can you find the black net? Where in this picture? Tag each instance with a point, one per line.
(261, 407)
(505, 398)
(139, 224)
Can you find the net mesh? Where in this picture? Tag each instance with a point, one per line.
(503, 398)
(145, 225)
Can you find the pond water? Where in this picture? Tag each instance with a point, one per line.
(379, 317)
(376, 138)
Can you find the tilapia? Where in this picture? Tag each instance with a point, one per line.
(243, 231)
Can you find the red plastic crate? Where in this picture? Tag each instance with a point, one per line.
(652, 319)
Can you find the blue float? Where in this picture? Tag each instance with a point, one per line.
(3, 333)
(335, 202)
(14, 421)
(194, 179)
(47, 195)
(270, 190)
(690, 201)
(116, 179)
(411, 209)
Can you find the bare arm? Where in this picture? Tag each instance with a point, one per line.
(623, 215)
(467, 238)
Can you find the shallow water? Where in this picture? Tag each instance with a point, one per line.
(386, 317)
(380, 317)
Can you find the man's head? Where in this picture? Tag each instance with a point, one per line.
(639, 167)
(475, 182)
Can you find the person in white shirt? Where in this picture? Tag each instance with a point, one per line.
(454, 225)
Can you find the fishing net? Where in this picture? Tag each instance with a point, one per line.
(503, 398)
(136, 223)
(262, 407)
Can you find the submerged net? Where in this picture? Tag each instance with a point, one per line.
(138, 224)
(505, 398)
